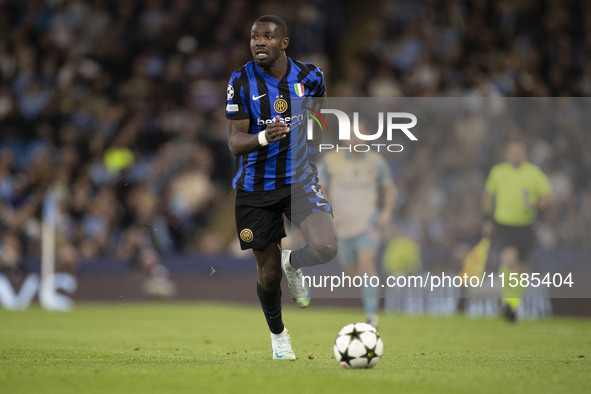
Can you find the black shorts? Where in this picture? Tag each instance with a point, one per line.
(520, 237)
(259, 215)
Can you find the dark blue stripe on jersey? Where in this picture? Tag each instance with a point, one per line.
(239, 176)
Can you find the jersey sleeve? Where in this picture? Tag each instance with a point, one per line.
(236, 100)
(319, 79)
(543, 187)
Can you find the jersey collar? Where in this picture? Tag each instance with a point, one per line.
(270, 78)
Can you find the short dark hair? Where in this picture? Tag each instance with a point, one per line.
(276, 20)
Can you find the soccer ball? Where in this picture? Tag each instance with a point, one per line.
(358, 345)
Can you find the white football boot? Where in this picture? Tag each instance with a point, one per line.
(281, 344)
(298, 290)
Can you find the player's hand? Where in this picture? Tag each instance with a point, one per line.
(276, 130)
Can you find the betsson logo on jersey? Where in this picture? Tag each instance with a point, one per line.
(293, 120)
(345, 130)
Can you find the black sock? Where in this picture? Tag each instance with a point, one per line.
(271, 304)
(302, 257)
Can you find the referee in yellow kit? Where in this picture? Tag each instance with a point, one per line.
(515, 191)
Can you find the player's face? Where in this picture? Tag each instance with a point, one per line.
(516, 154)
(266, 43)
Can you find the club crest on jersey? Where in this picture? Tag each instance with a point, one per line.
(280, 105)
(299, 89)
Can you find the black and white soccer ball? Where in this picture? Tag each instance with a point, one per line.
(358, 345)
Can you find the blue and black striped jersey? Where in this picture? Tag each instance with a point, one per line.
(259, 97)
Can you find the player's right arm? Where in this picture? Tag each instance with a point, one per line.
(241, 142)
(238, 111)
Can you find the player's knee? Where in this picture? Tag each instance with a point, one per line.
(269, 281)
(269, 278)
(324, 250)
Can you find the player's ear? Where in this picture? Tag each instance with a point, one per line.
(284, 43)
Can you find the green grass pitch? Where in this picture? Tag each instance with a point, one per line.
(211, 348)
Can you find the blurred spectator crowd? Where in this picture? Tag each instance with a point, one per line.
(117, 108)
(485, 51)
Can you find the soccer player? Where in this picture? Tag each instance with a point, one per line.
(275, 171)
(514, 193)
(354, 182)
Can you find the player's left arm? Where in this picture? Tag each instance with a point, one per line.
(544, 190)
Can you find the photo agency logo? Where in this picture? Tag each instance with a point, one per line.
(360, 140)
